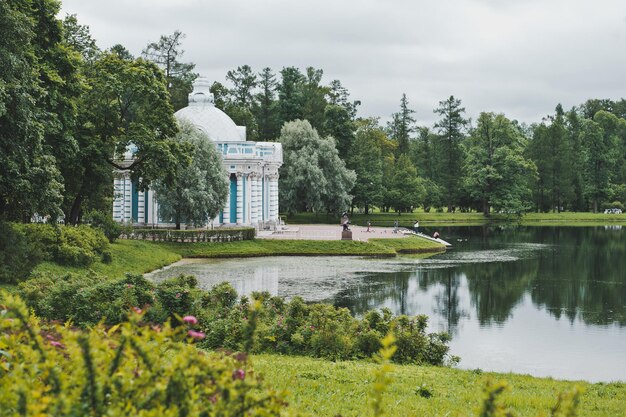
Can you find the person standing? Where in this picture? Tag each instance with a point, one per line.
(416, 225)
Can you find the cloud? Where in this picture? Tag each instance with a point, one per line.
(520, 58)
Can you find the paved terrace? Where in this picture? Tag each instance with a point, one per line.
(329, 232)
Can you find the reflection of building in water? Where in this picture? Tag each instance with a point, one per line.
(265, 278)
(613, 227)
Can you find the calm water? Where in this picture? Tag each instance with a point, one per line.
(545, 301)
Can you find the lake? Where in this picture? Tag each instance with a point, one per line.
(546, 301)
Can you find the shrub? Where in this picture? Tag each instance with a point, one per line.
(104, 221)
(16, 263)
(80, 246)
(217, 235)
(119, 372)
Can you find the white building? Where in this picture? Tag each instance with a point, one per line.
(252, 171)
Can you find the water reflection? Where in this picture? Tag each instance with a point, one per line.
(515, 298)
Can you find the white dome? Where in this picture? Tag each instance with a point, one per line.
(202, 113)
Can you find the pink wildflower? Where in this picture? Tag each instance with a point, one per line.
(195, 334)
(57, 344)
(177, 295)
(137, 310)
(239, 374)
(129, 285)
(190, 320)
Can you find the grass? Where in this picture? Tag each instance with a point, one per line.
(139, 257)
(464, 219)
(283, 247)
(323, 388)
(130, 256)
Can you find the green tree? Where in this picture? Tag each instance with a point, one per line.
(551, 150)
(339, 124)
(338, 95)
(199, 190)
(600, 154)
(313, 177)
(290, 102)
(367, 161)
(126, 111)
(406, 189)
(30, 38)
(496, 172)
(79, 38)
(314, 98)
(166, 53)
(244, 81)
(265, 110)
(448, 150)
(402, 126)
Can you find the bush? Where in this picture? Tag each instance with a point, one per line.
(218, 235)
(16, 263)
(80, 246)
(104, 221)
(119, 372)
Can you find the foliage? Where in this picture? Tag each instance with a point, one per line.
(219, 235)
(54, 370)
(402, 125)
(29, 180)
(448, 150)
(381, 377)
(166, 53)
(198, 191)
(496, 173)
(104, 221)
(366, 159)
(313, 178)
(406, 189)
(24, 246)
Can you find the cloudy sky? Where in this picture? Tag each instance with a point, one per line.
(519, 57)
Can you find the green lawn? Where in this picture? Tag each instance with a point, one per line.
(323, 388)
(132, 256)
(139, 257)
(462, 219)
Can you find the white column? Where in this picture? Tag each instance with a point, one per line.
(274, 197)
(254, 199)
(259, 202)
(128, 198)
(226, 208)
(240, 192)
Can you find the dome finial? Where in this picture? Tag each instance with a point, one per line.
(201, 93)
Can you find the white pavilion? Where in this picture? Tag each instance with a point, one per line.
(252, 169)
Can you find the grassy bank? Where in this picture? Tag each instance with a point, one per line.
(139, 257)
(323, 388)
(463, 219)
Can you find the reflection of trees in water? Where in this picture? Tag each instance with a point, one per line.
(578, 274)
(585, 279)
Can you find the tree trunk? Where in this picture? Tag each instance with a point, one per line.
(595, 206)
(486, 208)
(74, 216)
(367, 209)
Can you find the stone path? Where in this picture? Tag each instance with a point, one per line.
(329, 232)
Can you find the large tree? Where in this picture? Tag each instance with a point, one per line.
(198, 190)
(401, 126)
(497, 174)
(313, 177)
(367, 161)
(166, 53)
(30, 45)
(406, 189)
(290, 102)
(243, 81)
(448, 150)
(126, 110)
(265, 109)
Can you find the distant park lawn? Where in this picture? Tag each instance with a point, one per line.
(379, 219)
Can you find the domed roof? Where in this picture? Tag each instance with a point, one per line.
(203, 114)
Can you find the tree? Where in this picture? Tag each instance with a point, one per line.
(339, 124)
(600, 144)
(314, 98)
(199, 190)
(126, 111)
(30, 37)
(367, 161)
(338, 95)
(313, 177)
(401, 126)
(244, 81)
(265, 109)
(448, 149)
(406, 189)
(79, 38)
(551, 151)
(290, 95)
(179, 76)
(496, 172)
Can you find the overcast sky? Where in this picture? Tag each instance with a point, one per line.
(519, 57)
